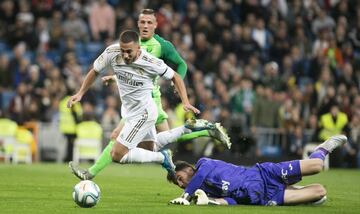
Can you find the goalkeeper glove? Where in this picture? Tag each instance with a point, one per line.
(183, 200)
(180, 201)
(202, 199)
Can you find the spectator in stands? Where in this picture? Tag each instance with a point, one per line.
(332, 123)
(25, 13)
(21, 32)
(242, 103)
(271, 78)
(102, 20)
(265, 114)
(247, 46)
(19, 104)
(7, 17)
(262, 36)
(281, 45)
(334, 54)
(75, 27)
(322, 22)
(21, 73)
(55, 29)
(69, 118)
(352, 150)
(42, 31)
(297, 141)
(111, 117)
(5, 74)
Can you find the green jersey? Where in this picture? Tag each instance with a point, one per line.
(163, 49)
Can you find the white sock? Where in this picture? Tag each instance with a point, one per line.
(166, 137)
(139, 155)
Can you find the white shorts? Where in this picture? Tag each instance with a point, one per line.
(137, 129)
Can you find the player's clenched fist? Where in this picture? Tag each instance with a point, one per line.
(180, 201)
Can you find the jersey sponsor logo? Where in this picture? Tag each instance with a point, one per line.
(225, 185)
(152, 60)
(284, 174)
(127, 79)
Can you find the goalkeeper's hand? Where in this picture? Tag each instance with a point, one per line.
(202, 199)
(180, 201)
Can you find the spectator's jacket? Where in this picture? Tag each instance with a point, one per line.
(67, 116)
(330, 126)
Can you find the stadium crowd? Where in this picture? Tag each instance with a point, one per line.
(263, 68)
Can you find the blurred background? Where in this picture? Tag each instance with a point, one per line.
(281, 76)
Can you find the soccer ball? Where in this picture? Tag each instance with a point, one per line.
(86, 194)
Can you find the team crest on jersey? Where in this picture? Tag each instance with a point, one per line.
(139, 70)
(152, 60)
(149, 49)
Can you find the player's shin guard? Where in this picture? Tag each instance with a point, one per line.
(103, 161)
(319, 153)
(171, 136)
(193, 135)
(138, 155)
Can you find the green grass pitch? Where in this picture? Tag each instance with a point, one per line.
(47, 188)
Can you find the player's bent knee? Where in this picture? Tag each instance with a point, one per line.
(319, 191)
(116, 156)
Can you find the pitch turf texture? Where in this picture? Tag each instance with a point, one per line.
(47, 188)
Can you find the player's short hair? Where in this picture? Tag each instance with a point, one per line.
(179, 165)
(147, 11)
(129, 36)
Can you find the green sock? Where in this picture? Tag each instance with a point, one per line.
(192, 135)
(103, 161)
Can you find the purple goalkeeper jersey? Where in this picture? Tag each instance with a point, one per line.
(261, 184)
(220, 179)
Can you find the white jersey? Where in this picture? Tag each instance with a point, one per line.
(136, 80)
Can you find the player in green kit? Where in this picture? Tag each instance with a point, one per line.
(163, 49)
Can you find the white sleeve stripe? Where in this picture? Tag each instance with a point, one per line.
(164, 72)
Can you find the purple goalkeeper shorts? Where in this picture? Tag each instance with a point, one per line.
(277, 176)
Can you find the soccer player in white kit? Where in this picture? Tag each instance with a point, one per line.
(135, 71)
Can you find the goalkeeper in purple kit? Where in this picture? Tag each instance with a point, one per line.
(217, 182)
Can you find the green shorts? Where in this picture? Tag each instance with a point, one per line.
(162, 116)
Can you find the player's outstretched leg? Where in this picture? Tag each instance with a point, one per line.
(328, 146)
(101, 162)
(333, 142)
(315, 163)
(82, 174)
